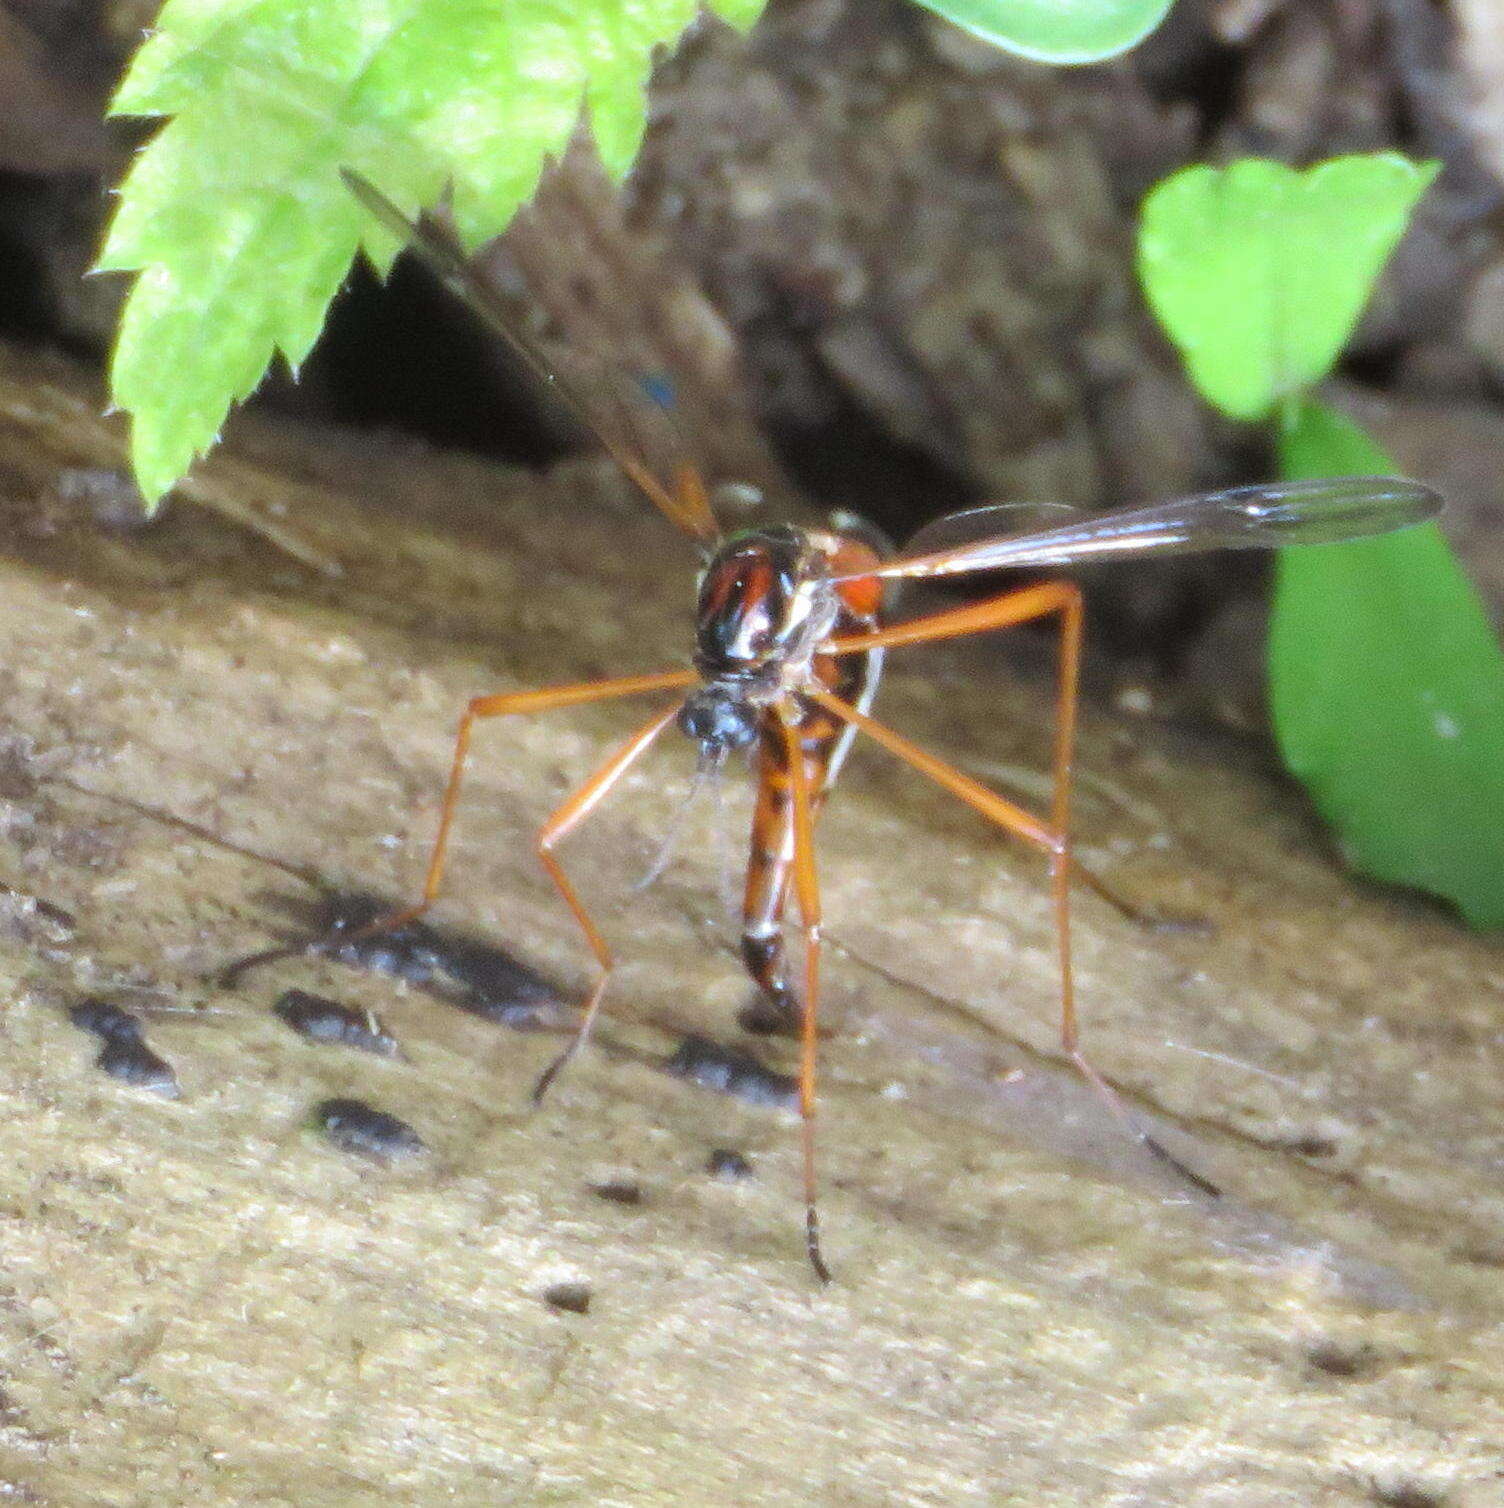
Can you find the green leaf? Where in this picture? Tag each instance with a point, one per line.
(235, 215)
(1259, 272)
(1387, 691)
(1056, 31)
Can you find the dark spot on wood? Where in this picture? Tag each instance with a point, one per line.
(475, 976)
(573, 1298)
(133, 1062)
(1312, 1145)
(1481, 1255)
(354, 1126)
(730, 1070)
(618, 1192)
(728, 1166)
(1337, 1359)
(323, 1020)
(1402, 1494)
(492, 983)
(125, 1055)
(106, 1020)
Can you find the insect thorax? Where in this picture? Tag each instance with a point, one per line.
(766, 604)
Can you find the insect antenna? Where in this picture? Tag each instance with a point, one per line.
(707, 776)
(725, 877)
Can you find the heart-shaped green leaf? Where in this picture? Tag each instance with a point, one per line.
(1387, 691)
(1259, 272)
(1056, 31)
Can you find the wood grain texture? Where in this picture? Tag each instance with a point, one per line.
(202, 1301)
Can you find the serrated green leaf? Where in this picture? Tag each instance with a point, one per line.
(1056, 31)
(1260, 272)
(1387, 691)
(236, 217)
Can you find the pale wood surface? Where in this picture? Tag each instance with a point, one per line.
(202, 1302)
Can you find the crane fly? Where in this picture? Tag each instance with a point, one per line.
(789, 644)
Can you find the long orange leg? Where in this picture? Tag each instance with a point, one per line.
(509, 703)
(807, 891)
(1051, 835)
(554, 831)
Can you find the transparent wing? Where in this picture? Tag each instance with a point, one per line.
(989, 523)
(1266, 517)
(630, 426)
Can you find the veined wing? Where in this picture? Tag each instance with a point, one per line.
(972, 525)
(1323, 511)
(602, 409)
